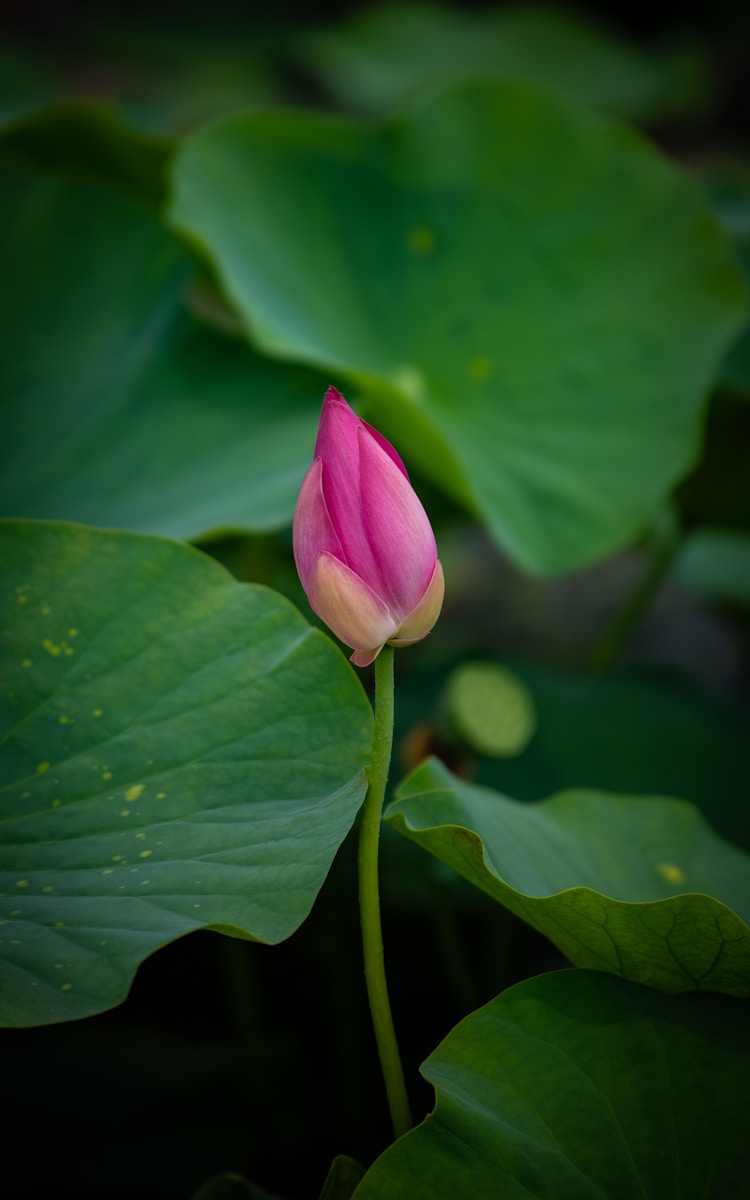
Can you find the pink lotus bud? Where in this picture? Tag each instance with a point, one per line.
(363, 544)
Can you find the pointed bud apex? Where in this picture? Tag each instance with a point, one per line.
(363, 544)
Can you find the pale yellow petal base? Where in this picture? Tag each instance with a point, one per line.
(350, 608)
(423, 617)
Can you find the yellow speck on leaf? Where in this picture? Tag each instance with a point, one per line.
(145, 853)
(97, 712)
(26, 662)
(51, 647)
(133, 793)
(43, 766)
(48, 889)
(64, 720)
(106, 774)
(421, 240)
(160, 795)
(480, 368)
(66, 987)
(72, 633)
(410, 380)
(56, 803)
(22, 883)
(670, 873)
(22, 599)
(59, 924)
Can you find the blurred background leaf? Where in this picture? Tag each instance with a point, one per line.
(431, 260)
(90, 138)
(385, 54)
(489, 708)
(727, 183)
(715, 563)
(232, 1187)
(630, 731)
(122, 408)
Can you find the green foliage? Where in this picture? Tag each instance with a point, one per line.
(159, 423)
(645, 732)
(180, 752)
(340, 1184)
(715, 563)
(727, 183)
(92, 140)
(232, 1187)
(633, 885)
(532, 301)
(343, 1177)
(385, 54)
(579, 1086)
(534, 305)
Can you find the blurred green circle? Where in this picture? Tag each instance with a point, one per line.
(491, 709)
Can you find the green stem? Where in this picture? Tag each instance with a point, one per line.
(660, 550)
(369, 896)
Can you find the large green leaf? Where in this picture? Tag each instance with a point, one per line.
(576, 1086)
(384, 54)
(179, 751)
(120, 408)
(638, 886)
(530, 298)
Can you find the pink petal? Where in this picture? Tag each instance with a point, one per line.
(312, 531)
(386, 445)
(338, 446)
(338, 426)
(337, 431)
(354, 612)
(397, 529)
(424, 615)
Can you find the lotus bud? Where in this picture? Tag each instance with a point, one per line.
(363, 544)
